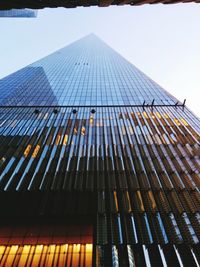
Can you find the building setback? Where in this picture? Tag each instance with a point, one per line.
(99, 165)
(18, 13)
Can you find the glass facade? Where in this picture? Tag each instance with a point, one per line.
(84, 156)
(18, 13)
(87, 72)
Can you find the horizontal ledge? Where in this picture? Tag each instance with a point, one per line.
(96, 106)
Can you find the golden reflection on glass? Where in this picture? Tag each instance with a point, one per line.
(177, 122)
(131, 130)
(151, 197)
(75, 130)
(115, 198)
(145, 115)
(27, 150)
(91, 120)
(58, 139)
(128, 201)
(65, 140)
(139, 197)
(82, 130)
(158, 115)
(184, 122)
(35, 152)
(166, 116)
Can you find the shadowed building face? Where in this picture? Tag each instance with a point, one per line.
(99, 165)
(69, 4)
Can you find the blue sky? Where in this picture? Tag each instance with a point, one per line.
(161, 40)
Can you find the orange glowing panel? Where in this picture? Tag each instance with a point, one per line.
(37, 255)
(75, 255)
(50, 255)
(88, 255)
(24, 256)
(56, 257)
(69, 255)
(69, 258)
(43, 256)
(62, 258)
(11, 256)
(82, 258)
(2, 250)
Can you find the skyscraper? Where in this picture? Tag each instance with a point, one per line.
(21, 13)
(99, 165)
